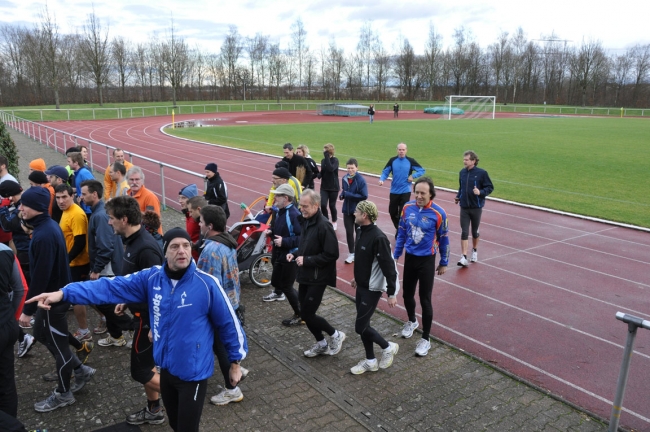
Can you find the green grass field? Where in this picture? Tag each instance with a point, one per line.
(590, 166)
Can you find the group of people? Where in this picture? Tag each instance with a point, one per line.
(306, 252)
(80, 242)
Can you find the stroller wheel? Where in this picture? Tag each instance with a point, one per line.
(261, 270)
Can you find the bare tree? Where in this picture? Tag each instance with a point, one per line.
(175, 56)
(587, 59)
(367, 39)
(299, 48)
(335, 66)
(310, 72)
(199, 70)
(95, 53)
(499, 52)
(277, 68)
(381, 63)
(641, 59)
(51, 52)
(121, 52)
(408, 70)
(72, 69)
(231, 50)
(431, 61)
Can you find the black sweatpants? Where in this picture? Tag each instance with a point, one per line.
(51, 329)
(419, 269)
(350, 231)
(115, 324)
(310, 298)
(366, 304)
(183, 401)
(8, 394)
(328, 198)
(396, 204)
(282, 279)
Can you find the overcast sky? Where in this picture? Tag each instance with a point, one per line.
(617, 25)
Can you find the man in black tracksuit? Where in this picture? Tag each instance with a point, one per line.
(316, 259)
(298, 165)
(141, 251)
(216, 192)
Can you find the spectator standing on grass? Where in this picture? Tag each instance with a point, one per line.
(109, 183)
(81, 174)
(371, 113)
(48, 261)
(57, 175)
(375, 273)
(474, 186)
(179, 297)
(285, 232)
(329, 183)
(303, 151)
(404, 170)
(117, 175)
(353, 191)
(298, 165)
(216, 191)
(316, 258)
(422, 233)
(395, 110)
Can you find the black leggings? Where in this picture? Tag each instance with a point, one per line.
(51, 329)
(8, 393)
(282, 279)
(468, 215)
(142, 362)
(330, 196)
(395, 204)
(183, 401)
(350, 231)
(366, 304)
(419, 269)
(310, 297)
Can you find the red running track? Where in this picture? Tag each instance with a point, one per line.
(540, 303)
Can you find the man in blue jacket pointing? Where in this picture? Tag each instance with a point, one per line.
(179, 297)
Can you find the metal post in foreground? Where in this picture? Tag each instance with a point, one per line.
(163, 206)
(633, 323)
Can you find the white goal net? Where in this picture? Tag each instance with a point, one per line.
(464, 107)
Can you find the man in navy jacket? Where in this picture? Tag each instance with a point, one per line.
(474, 186)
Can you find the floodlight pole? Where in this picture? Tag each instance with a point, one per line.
(633, 323)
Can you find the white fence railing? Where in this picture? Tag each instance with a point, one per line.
(163, 179)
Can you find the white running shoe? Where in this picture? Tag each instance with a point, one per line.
(349, 259)
(334, 225)
(422, 347)
(25, 345)
(111, 341)
(336, 343)
(409, 328)
(365, 365)
(317, 350)
(474, 256)
(388, 355)
(226, 396)
(462, 262)
(274, 297)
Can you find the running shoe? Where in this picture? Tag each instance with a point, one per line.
(84, 351)
(274, 297)
(422, 347)
(409, 328)
(25, 345)
(388, 355)
(317, 350)
(336, 343)
(83, 336)
(82, 376)
(145, 416)
(365, 365)
(101, 327)
(295, 320)
(226, 396)
(462, 262)
(474, 256)
(335, 226)
(54, 401)
(349, 259)
(111, 341)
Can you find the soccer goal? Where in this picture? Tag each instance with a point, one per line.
(462, 107)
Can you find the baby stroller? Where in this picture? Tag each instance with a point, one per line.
(254, 248)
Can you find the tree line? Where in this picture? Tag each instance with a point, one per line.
(40, 65)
